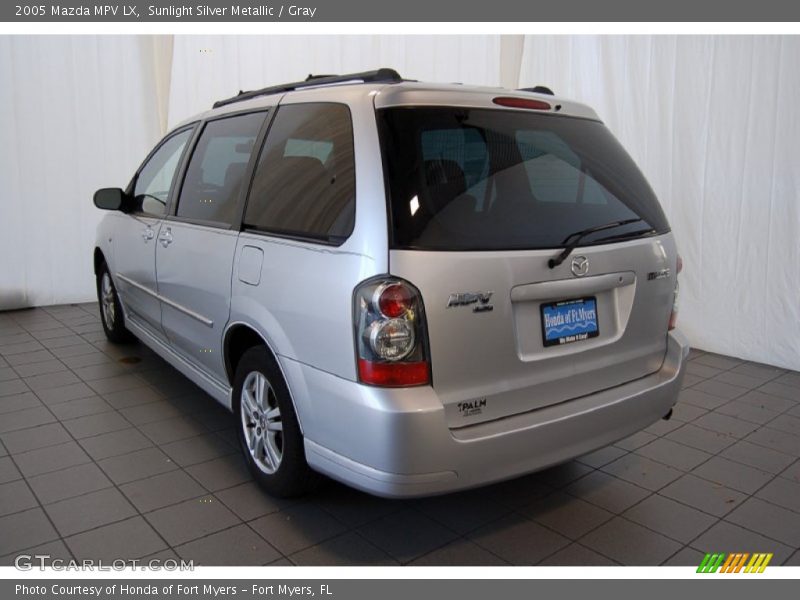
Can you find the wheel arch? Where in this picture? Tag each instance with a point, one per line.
(238, 338)
(99, 259)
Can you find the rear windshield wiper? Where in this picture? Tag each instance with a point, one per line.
(573, 239)
(628, 235)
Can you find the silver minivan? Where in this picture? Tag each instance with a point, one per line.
(410, 288)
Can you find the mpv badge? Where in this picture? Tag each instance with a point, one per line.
(661, 274)
(580, 266)
(467, 298)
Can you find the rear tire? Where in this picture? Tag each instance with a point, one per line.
(111, 315)
(267, 427)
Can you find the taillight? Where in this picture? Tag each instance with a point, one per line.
(391, 339)
(393, 299)
(673, 317)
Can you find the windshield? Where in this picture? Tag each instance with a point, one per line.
(482, 179)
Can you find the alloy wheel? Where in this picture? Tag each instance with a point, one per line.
(261, 422)
(107, 303)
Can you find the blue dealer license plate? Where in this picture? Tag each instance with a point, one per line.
(569, 321)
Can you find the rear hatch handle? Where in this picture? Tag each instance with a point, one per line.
(567, 288)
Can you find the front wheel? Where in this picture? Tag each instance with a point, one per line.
(267, 427)
(110, 308)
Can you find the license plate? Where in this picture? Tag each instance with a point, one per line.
(569, 321)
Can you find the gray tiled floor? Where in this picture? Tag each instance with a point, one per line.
(107, 452)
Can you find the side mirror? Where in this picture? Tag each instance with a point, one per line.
(109, 198)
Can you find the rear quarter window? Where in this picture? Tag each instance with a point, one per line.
(304, 184)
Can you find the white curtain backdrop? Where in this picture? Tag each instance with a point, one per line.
(208, 68)
(76, 114)
(712, 121)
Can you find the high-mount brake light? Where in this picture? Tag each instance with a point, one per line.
(527, 103)
(391, 336)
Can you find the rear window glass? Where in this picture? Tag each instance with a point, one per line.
(482, 179)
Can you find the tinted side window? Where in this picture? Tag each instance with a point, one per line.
(305, 179)
(214, 177)
(153, 183)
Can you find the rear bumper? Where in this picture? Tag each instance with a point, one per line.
(396, 443)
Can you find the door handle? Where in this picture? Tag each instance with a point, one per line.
(147, 234)
(165, 237)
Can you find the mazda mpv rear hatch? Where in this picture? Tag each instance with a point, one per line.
(486, 204)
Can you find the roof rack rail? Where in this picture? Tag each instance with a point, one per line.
(539, 89)
(379, 75)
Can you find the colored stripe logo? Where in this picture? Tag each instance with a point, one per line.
(737, 562)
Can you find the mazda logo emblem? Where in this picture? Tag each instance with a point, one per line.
(580, 266)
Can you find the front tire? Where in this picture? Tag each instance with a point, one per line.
(111, 315)
(267, 427)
